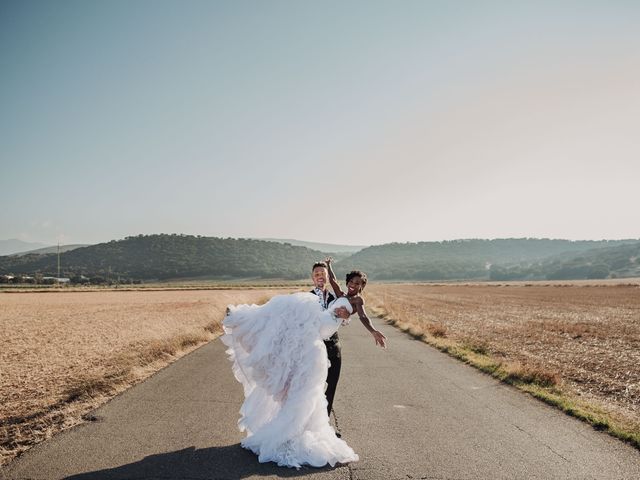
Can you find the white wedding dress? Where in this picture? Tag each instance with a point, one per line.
(280, 359)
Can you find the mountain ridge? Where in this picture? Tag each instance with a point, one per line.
(322, 247)
(15, 245)
(52, 249)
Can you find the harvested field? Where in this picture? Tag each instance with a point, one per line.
(64, 353)
(580, 341)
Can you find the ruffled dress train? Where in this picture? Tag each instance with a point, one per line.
(281, 361)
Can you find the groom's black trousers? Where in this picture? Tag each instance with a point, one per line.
(335, 360)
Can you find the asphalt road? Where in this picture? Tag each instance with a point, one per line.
(410, 412)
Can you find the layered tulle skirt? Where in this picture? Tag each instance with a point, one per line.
(280, 359)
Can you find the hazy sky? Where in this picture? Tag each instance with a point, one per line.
(335, 121)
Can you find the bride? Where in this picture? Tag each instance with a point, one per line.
(280, 359)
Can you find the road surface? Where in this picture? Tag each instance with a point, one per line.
(410, 412)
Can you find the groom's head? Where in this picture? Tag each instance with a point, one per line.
(320, 275)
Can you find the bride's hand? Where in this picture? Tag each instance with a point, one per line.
(342, 312)
(380, 338)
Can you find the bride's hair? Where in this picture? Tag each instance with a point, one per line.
(357, 273)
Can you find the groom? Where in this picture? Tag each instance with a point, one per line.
(320, 277)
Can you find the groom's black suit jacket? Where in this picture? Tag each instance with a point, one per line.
(333, 338)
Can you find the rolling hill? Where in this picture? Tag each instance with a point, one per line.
(149, 257)
(616, 262)
(465, 259)
(173, 256)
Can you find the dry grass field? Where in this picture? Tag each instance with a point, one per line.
(576, 346)
(64, 353)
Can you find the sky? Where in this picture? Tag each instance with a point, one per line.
(359, 122)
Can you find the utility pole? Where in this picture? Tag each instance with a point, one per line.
(58, 259)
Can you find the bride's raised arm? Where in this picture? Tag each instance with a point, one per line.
(332, 278)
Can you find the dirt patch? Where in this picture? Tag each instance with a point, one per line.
(63, 354)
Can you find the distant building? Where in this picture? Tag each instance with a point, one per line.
(57, 279)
